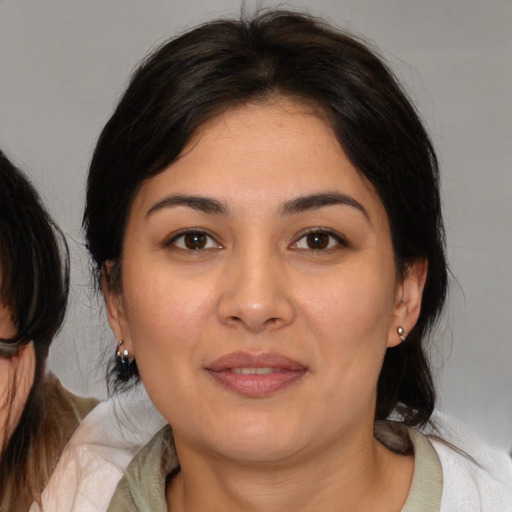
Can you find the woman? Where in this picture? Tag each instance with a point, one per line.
(37, 415)
(263, 211)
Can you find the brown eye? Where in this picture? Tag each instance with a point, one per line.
(318, 241)
(195, 241)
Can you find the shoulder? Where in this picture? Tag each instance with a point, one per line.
(143, 484)
(64, 403)
(476, 476)
(51, 415)
(99, 451)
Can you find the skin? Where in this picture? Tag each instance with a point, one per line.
(16, 372)
(259, 284)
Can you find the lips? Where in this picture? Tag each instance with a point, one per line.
(255, 375)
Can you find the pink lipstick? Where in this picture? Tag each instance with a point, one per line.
(256, 375)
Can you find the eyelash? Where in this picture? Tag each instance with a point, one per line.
(182, 234)
(339, 239)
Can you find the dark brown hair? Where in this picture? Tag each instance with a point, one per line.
(225, 63)
(34, 283)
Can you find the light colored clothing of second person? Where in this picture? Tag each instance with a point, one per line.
(98, 453)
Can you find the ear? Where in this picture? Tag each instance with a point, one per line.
(115, 307)
(409, 294)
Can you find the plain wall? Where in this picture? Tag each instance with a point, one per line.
(63, 64)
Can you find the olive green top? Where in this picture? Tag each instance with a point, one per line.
(142, 487)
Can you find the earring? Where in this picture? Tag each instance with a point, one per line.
(120, 356)
(401, 333)
(125, 368)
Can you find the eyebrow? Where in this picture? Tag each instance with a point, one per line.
(315, 201)
(297, 205)
(202, 204)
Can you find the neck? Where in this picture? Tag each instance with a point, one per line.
(364, 476)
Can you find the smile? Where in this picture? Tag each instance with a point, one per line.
(256, 375)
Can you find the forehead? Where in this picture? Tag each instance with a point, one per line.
(259, 153)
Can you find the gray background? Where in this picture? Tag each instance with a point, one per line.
(63, 63)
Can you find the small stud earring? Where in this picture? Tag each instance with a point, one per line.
(122, 355)
(401, 333)
(125, 367)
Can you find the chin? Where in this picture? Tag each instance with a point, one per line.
(260, 451)
(257, 442)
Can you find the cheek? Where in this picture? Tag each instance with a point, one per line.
(166, 314)
(168, 319)
(350, 315)
(353, 302)
(12, 410)
(7, 327)
(5, 380)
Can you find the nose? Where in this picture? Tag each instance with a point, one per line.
(254, 293)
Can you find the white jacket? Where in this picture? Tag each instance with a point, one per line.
(99, 451)
(102, 447)
(483, 484)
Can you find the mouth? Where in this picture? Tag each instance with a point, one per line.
(255, 371)
(256, 375)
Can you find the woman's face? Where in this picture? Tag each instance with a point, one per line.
(259, 288)
(18, 370)
(7, 326)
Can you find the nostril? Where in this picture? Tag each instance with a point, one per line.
(234, 320)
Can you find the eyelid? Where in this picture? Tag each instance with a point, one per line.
(340, 239)
(170, 240)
